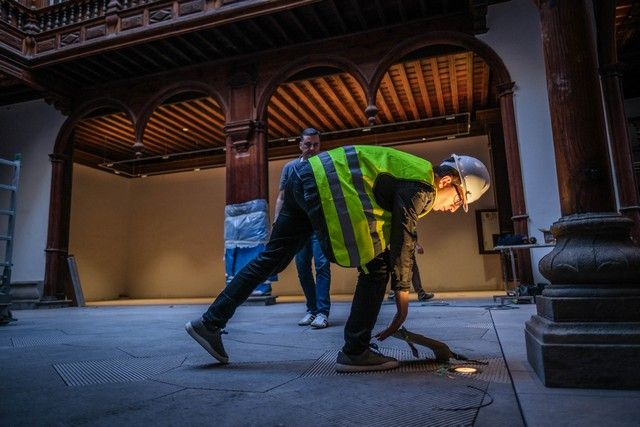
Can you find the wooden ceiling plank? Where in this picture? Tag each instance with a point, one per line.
(408, 90)
(94, 137)
(353, 121)
(345, 93)
(134, 64)
(276, 25)
(383, 107)
(156, 131)
(172, 50)
(274, 127)
(168, 62)
(214, 110)
(93, 64)
(220, 35)
(435, 74)
(422, 85)
(311, 105)
(261, 33)
(123, 69)
(187, 45)
(301, 111)
(469, 58)
(453, 82)
(196, 124)
(317, 97)
(298, 25)
(207, 43)
(380, 11)
(337, 16)
(70, 74)
(403, 12)
(104, 134)
(319, 22)
(355, 8)
(243, 36)
(174, 116)
(386, 80)
(284, 123)
(485, 85)
(204, 121)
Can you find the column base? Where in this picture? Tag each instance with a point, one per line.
(584, 354)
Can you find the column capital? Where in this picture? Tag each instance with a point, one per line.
(505, 89)
(240, 133)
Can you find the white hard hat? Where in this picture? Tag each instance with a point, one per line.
(474, 176)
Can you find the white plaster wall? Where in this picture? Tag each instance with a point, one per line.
(30, 128)
(176, 238)
(99, 232)
(514, 33)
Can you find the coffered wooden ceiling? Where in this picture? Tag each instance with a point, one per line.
(190, 126)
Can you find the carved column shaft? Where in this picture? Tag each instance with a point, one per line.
(247, 163)
(56, 271)
(519, 216)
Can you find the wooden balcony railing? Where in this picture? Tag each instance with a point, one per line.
(34, 31)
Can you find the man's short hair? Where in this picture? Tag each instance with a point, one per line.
(446, 170)
(309, 132)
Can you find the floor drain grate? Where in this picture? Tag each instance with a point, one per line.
(115, 370)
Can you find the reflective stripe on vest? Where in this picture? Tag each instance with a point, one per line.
(359, 229)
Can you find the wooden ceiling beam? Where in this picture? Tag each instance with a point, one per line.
(179, 122)
(213, 110)
(276, 25)
(453, 82)
(261, 33)
(337, 16)
(95, 138)
(388, 83)
(318, 22)
(435, 74)
(316, 97)
(174, 52)
(188, 46)
(355, 8)
(298, 25)
(383, 107)
(404, 80)
(104, 135)
(218, 33)
(353, 122)
(188, 119)
(206, 123)
(283, 122)
(344, 90)
(311, 105)
(301, 108)
(156, 133)
(469, 58)
(380, 12)
(274, 127)
(207, 43)
(131, 63)
(422, 85)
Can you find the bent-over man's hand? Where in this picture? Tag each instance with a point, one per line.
(402, 306)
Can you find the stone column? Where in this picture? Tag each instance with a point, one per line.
(586, 332)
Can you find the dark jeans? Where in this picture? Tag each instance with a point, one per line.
(290, 232)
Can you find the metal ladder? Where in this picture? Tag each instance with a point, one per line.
(7, 235)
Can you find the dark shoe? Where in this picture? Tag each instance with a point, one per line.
(425, 296)
(367, 361)
(208, 338)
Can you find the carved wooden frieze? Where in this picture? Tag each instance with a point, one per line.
(69, 38)
(46, 45)
(130, 22)
(95, 31)
(160, 15)
(191, 7)
(10, 40)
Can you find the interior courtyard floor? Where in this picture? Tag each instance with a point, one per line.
(125, 363)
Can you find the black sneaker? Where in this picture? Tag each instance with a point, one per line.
(208, 338)
(367, 361)
(425, 296)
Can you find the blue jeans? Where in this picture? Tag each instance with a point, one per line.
(316, 292)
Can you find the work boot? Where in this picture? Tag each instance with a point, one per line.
(307, 319)
(369, 360)
(424, 296)
(209, 338)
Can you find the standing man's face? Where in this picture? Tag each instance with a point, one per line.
(310, 146)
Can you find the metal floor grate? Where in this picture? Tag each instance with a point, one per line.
(494, 371)
(38, 341)
(115, 370)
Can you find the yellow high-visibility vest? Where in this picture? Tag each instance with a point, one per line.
(359, 229)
